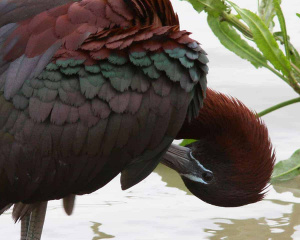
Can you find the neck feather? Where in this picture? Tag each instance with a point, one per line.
(231, 126)
(220, 115)
(158, 12)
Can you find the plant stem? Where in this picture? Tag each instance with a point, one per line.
(278, 106)
(234, 21)
(295, 68)
(294, 83)
(277, 73)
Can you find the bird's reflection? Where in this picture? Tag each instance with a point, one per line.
(99, 235)
(170, 177)
(292, 186)
(262, 228)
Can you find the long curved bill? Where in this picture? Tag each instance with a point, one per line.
(182, 161)
(177, 158)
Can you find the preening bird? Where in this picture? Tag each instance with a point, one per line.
(95, 88)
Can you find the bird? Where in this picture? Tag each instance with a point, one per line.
(232, 159)
(96, 88)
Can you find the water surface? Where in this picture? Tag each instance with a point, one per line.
(160, 207)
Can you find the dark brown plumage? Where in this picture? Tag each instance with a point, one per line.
(96, 88)
(234, 144)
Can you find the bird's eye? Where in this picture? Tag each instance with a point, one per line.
(207, 176)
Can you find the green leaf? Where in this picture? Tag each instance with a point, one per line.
(287, 169)
(229, 37)
(265, 40)
(214, 7)
(196, 5)
(186, 142)
(282, 26)
(298, 14)
(266, 12)
(295, 56)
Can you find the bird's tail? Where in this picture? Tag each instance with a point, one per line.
(4, 206)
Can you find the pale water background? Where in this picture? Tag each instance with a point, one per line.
(159, 208)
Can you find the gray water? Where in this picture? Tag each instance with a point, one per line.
(160, 207)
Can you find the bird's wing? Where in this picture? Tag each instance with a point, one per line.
(26, 47)
(12, 11)
(106, 96)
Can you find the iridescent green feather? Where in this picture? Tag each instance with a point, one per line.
(52, 67)
(106, 66)
(151, 71)
(69, 62)
(175, 71)
(93, 69)
(192, 55)
(138, 54)
(203, 58)
(172, 68)
(70, 70)
(120, 77)
(186, 62)
(52, 85)
(50, 75)
(88, 89)
(176, 53)
(195, 73)
(46, 94)
(116, 59)
(26, 89)
(36, 83)
(141, 62)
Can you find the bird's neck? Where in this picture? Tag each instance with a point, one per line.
(159, 12)
(165, 11)
(220, 116)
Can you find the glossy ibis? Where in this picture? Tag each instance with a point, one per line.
(95, 88)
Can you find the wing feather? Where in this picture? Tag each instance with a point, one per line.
(105, 102)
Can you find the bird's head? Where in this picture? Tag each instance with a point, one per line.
(231, 162)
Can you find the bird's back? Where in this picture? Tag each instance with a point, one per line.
(89, 90)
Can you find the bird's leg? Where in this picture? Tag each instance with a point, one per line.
(35, 222)
(68, 203)
(24, 226)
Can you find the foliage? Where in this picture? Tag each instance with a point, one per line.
(235, 28)
(187, 142)
(267, 13)
(287, 169)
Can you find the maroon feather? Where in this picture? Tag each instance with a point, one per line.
(111, 134)
(120, 102)
(100, 108)
(95, 137)
(78, 14)
(80, 137)
(125, 130)
(121, 8)
(39, 23)
(60, 113)
(87, 142)
(73, 115)
(134, 102)
(39, 110)
(67, 139)
(86, 115)
(64, 27)
(107, 92)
